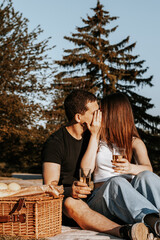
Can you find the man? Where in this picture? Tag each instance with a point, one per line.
(62, 154)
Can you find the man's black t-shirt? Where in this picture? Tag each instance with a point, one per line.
(67, 151)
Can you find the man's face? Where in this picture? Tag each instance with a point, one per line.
(88, 115)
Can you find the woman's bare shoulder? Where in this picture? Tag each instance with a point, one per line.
(137, 142)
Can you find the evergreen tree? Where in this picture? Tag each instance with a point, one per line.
(25, 74)
(102, 67)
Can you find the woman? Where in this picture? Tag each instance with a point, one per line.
(115, 197)
(118, 129)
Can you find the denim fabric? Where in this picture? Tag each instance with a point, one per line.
(128, 201)
(148, 184)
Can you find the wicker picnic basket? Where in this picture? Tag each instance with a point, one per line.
(31, 217)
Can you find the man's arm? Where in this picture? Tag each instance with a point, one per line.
(51, 172)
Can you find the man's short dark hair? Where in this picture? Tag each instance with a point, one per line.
(76, 102)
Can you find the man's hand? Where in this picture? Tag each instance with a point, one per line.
(95, 125)
(80, 190)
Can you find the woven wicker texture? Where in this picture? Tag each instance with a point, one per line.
(43, 216)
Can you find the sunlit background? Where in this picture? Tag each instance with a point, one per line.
(137, 19)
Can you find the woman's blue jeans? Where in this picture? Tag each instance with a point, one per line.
(128, 201)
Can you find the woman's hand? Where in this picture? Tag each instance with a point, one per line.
(95, 125)
(80, 190)
(122, 166)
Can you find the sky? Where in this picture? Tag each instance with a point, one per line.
(138, 19)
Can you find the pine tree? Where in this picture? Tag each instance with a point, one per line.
(102, 67)
(25, 70)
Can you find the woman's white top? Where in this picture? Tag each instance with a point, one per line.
(104, 168)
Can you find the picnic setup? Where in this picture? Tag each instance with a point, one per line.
(28, 212)
(31, 210)
(79, 123)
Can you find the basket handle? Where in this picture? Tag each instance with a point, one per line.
(18, 206)
(13, 218)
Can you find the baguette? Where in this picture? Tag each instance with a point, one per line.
(54, 191)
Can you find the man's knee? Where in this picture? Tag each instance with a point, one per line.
(68, 205)
(76, 209)
(72, 205)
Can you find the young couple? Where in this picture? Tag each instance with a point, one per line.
(87, 141)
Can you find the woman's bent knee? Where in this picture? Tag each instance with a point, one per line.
(145, 175)
(118, 181)
(113, 186)
(145, 178)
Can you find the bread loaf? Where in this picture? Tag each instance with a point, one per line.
(14, 186)
(3, 186)
(10, 189)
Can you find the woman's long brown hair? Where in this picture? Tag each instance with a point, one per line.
(118, 125)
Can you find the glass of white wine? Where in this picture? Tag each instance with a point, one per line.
(85, 176)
